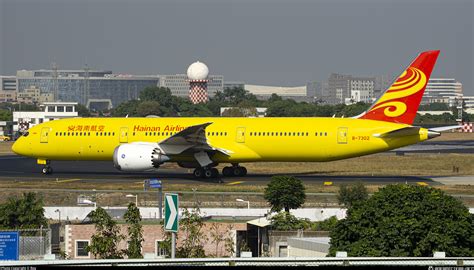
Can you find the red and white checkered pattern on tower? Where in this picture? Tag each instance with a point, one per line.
(466, 127)
(198, 91)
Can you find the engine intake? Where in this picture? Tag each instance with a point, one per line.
(138, 157)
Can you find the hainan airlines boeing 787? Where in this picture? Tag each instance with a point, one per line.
(143, 144)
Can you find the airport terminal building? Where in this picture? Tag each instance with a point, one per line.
(89, 87)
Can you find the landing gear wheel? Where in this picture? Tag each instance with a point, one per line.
(237, 171)
(244, 171)
(227, 171)
(214, 172)
(47, 170)
(208, 173)
(198, 173)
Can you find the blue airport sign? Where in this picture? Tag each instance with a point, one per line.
(9, 246)
(155, 183)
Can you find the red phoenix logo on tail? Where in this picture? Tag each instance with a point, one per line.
(400, 102)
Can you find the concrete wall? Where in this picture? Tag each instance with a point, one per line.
(314, 214)
(79, 213)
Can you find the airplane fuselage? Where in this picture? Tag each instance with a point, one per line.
(244, 139)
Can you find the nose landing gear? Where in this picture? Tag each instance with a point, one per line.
(47, 170)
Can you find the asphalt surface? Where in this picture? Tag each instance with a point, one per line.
(25, 169)
(14, 167)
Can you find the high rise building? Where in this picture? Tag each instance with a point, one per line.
(349, 89)
(442, 90)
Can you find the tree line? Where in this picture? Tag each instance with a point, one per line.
(159, 101)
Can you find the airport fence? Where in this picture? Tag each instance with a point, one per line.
(34, 243)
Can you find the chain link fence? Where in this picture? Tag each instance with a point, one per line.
(34, 243)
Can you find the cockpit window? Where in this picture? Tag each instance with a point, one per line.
(25, 134)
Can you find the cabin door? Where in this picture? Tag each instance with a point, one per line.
(44, 135)
(342, 135)
(123, 135)
(240, 135)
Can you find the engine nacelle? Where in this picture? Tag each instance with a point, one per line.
(138, 157)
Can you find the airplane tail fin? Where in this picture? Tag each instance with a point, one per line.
(400, 102)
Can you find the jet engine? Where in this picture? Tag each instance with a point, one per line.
(138, 157)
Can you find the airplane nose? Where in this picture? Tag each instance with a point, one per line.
(17, 148)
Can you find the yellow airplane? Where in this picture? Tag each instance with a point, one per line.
(143, 144)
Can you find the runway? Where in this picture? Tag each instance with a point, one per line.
(19, 168)
(25, 169)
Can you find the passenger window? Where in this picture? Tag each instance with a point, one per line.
(325, 133)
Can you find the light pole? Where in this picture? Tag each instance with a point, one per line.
(59, 214)
(242, 200)
(133, 196)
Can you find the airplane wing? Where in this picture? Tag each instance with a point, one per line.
(191, 138)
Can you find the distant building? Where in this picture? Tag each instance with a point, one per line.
(84, 85)
(265, 92)
(442, 90)
(49, 111)
(361, 90)
(314, 89)
(259, 111)
(469, 104)
(33, 95)
(349, 89)
(8, 89)
(179, 84)
(231, 85)
(382, 83)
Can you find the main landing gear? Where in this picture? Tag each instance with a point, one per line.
(206, 173)
(229, 171)
(234, 170)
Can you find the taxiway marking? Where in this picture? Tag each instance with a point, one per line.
(68, 180)
(234, 183)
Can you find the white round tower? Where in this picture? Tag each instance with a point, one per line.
(197, 75)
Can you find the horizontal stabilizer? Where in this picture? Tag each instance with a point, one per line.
(402, 132)
(440, 129)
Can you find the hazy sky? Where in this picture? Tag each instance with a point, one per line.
(259, 42)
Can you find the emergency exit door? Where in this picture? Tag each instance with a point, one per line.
(342, 135)
(123, 135)
(44, 135)
(240, 135)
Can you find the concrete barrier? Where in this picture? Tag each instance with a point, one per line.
(79, 213)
